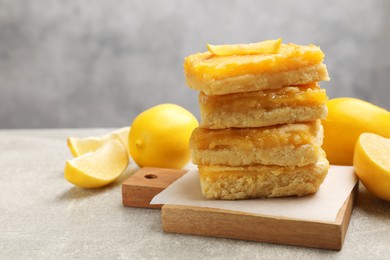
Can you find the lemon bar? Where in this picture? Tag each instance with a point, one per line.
(284, 145)
(244, 182)
(291, 65)
(263, 108)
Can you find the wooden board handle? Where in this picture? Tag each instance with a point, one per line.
(139, 189)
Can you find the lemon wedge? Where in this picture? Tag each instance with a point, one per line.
(80, 146)
(99, 168)
(264, 47)
(372, 163)
(122, 135)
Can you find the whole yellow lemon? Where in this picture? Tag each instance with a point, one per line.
(347, 119)
(159, 136)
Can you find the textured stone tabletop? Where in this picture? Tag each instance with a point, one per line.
(44, 217)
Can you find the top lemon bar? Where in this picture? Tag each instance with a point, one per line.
(232, 70)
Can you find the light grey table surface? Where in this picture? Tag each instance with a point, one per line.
(44, 217)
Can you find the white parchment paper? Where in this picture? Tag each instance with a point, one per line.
(322, 206)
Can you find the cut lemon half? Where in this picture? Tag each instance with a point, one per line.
(80, 146)
(264, 47)
(372, 164)
(98, 168)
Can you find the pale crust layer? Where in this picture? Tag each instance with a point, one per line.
(230, 183)
(260, 117)
(261, 81)
(283, 156)
(285, 145)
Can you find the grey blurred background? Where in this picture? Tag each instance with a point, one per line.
(97, 63)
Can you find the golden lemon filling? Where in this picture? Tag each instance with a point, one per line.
(289, 57)
(292, 96)
(214, 173)
(252, 138)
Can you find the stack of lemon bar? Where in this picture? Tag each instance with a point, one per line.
(260, 133)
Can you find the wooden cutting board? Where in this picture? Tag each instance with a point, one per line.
(139, 189)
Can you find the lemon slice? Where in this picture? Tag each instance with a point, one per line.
(80, 146)
(372, 164)
(98, 168)
(264, 47)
